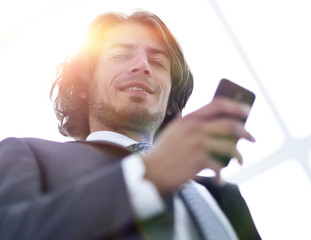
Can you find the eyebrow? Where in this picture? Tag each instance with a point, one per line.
(131, 46)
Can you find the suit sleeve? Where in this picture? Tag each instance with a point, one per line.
(92, 206)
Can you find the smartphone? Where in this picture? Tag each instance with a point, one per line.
(231, 90)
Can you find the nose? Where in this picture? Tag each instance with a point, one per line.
(140, 66)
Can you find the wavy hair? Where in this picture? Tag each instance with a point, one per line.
(74, 75)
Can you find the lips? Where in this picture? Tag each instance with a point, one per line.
(133, 86)
(138, 89)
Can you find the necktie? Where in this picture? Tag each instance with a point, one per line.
(208, 223)
(139, 147)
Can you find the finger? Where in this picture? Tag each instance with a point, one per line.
(224, 148)
(223, 107)
(218, 180)
(227, 128)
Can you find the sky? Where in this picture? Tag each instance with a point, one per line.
(261, 45)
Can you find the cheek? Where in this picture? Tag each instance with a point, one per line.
(102, 78)
(166, 90)
(168, 85)
(104, 72)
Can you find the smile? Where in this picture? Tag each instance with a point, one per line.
(138, 89)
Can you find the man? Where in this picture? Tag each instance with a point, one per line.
(128, 83)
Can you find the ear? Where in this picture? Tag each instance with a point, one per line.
(169, 112)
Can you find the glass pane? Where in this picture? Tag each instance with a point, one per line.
(279, 200)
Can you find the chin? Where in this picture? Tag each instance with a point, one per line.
(142, 117)
(136, 110)
(131, 115)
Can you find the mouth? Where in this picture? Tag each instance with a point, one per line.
(137, 88)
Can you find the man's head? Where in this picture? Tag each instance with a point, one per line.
(130, 72)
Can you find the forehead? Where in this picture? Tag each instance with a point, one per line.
(133, 34)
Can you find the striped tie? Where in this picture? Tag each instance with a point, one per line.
(139, 147)
(208, 223)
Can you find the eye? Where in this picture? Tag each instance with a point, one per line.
(157, 62)
(120, 56)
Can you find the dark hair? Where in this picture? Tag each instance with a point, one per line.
(74, 75)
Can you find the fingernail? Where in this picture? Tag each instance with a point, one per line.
(252, 139)
(246, 108)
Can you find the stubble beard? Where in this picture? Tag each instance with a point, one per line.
(133, 118)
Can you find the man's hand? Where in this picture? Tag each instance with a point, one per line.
(188, 144)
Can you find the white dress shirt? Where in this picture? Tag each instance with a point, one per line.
(146, 200)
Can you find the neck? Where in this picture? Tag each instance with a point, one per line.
(140, 131)
(137, 136)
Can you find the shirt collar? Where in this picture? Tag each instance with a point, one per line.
(111, 137)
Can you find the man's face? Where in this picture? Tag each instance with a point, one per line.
(132, 80)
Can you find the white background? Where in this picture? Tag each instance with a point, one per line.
(263, 45)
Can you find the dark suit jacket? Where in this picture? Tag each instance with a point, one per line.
(76, 190)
